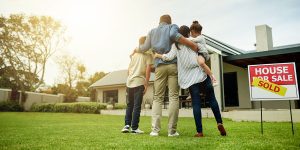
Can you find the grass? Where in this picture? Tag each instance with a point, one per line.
(94, 131)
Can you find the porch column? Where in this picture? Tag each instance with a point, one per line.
(216, 68)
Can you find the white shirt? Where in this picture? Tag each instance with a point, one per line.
(189, 71)
(137, 69)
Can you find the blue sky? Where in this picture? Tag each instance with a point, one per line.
(104, 32)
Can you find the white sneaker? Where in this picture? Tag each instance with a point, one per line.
(125, 129)
(153, 134)
(173, 135)
(137, 131)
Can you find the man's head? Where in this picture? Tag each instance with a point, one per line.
(165, 18)
(142, 40)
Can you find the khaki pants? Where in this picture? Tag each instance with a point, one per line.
(165, 75)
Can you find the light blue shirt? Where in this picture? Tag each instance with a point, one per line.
(160, 40)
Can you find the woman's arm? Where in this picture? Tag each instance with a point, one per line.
(167, 57)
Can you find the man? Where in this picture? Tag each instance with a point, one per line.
(160, 40)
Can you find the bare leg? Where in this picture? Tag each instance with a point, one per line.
(201, 62)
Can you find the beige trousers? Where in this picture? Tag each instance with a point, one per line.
(165, 75)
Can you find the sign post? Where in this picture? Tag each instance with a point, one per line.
(269, 82)
(291, 118)
(261, 120)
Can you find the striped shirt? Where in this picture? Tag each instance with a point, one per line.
(189, 71)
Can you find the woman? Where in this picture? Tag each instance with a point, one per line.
(192, 76)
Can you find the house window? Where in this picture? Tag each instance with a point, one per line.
(110, 96)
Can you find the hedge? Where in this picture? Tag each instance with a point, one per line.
(10, 106)
(77, 107)
(120, 106)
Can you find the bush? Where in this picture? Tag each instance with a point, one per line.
(10, 106)
(78, 107)
(120, 106)
(42, 107)
(70, 95)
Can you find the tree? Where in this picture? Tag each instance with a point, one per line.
(69, 69)
(81, 68)
(92, 79)
(26, 44)
(96, 76)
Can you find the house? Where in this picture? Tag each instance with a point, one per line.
(112, 88)
(229, 65)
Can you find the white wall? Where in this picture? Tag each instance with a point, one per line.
(83, 99)
(243, 86)
(4, 94)
(33, 97)
(215, 68)
(122, 93)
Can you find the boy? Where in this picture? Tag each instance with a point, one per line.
(137, 82)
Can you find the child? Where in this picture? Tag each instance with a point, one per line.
(198, 38)
(137, 82)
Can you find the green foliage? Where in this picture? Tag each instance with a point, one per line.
(10, 106)
(78, 107)
(45, 107)
(70, 95)
(82, 88)
(96, 76)
(120, 106)
(26, 44)
(92, 94)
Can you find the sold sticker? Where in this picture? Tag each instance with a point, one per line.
(269, 86)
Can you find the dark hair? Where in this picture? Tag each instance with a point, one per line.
(165, 18)
(196, 27)
(184, 31)
(142, 40)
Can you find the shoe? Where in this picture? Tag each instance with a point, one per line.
(153, 134)
(222, 130)
(137, 131)
(125, 129)
(199, 134)
(174, 134)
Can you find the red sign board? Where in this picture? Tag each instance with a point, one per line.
(273, 81)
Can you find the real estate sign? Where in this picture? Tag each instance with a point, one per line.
(273, 82)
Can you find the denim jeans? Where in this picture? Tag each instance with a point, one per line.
(209, 96)
(134, 102)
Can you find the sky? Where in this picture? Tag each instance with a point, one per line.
(104, 32)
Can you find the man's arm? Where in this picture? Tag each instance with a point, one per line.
(146, 46)
(190, 44)
(148, 71)
(176, 36)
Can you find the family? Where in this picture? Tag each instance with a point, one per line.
(179, 60)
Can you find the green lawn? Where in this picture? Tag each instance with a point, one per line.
(92, 131)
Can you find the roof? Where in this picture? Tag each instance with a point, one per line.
(226, 49)
(287, 53)
(115, 78)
